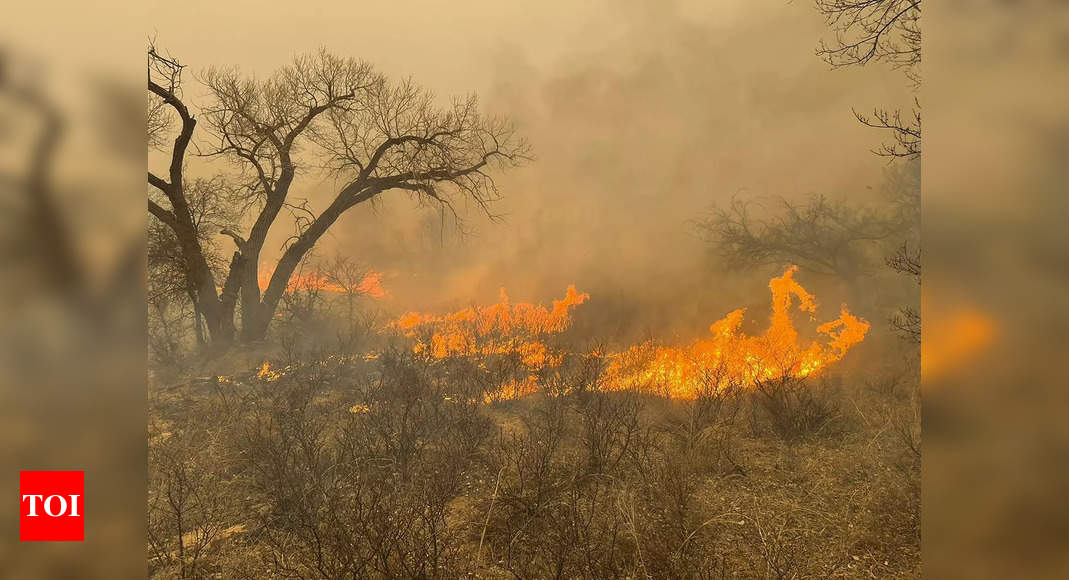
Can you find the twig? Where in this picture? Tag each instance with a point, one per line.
(493, 498)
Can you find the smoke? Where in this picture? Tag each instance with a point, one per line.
(641, 114)
(640, 120)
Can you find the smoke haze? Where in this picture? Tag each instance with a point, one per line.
(641, 116)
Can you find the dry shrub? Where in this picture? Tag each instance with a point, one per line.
(796, 409)
(397, 467)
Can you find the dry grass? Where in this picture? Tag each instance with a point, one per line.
(394, 467)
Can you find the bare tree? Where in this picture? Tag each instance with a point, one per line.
(372, 136)
(881, 31)
(350, 278)
(873, 30)
(907, 321)
(211, 210)
(845, 240)
(884, 31)
(906, 258)
(823, 236)
(304, 300)
(165, 85)
(906, 132)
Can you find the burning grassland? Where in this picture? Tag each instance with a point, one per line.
(729, 356)
(500, 329)
(368, 283)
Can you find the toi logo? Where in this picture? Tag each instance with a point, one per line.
(51, 506)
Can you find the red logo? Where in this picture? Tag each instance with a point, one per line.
(51, 506)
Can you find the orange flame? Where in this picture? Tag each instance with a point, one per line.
(502, 328)
(370, 285)
(512, 389)
(731, 356)
(728, 357)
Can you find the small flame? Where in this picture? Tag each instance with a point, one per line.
(370, 285)
(266, 373)
(512, 390)
(502, 328)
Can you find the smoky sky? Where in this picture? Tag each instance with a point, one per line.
(642, 115)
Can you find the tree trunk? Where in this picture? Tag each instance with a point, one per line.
(252, 329)
(254, 324)
(259, 318)
(198, 328)
(219, 319)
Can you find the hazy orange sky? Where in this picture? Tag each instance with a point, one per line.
(641, 114)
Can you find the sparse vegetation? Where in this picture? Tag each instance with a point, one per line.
(297, 432)
(394, 466)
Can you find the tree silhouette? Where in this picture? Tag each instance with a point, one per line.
(372, 135)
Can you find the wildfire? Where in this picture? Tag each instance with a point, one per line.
(513, 389)
(266, 373)
(503, 328)
(370, 285)
(730, 356)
